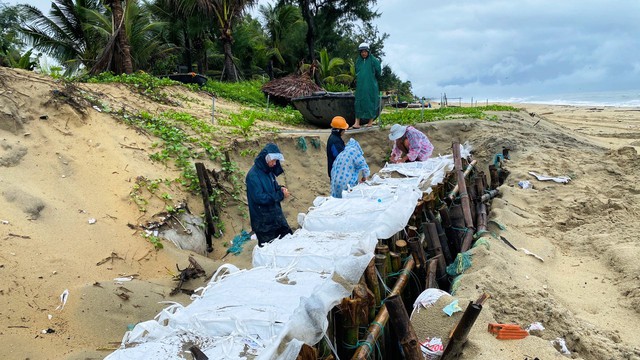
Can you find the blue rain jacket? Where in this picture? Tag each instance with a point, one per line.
(349, 163)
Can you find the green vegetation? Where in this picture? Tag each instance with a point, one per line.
(414, 116)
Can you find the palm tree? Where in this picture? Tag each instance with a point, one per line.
(226, 13)
(141, 36)
(64, 34)
(279, 21)
(187, 28)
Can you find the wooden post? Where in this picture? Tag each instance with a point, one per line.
(481, 208)
(401, 248)
(452, 195)
(430, 228)
(444, 242)
(432, 268)
(209, 210)
(403, 328)
(462, 185)
(417, 252)
(374, 285)
(396, 261)
(459, 335)
(454, 248)
(367, 346)
(493, 173)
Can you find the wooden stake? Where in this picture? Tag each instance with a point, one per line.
(432, 268)
(403, 328)
(459, 335)
(430, 228)
(368, 345)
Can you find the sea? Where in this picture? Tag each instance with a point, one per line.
(606, 98)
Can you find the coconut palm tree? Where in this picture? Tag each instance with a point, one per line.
(63, 34)
(226, 13)
(279, 22)
(141, 34)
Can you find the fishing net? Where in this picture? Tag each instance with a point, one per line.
(460, 264)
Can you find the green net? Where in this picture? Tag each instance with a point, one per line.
(302, 144)
(460, 264)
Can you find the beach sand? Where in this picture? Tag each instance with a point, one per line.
(73, 165)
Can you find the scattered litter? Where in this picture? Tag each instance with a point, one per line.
(561, 346)
(48, 331)
(507, 331)
(97, 108)
(63, 299)
(50, 316)
(44, 117)
(532, 254)
(432, 348)
(508, 242)
(536, 326)
(558, 179)
(123, 279)
(5, 222)
(525, 184)
(452, 308)
(92, 221)
(428, 298)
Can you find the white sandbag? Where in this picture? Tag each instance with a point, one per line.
(346, 254)
(381, 209)
(275, 310)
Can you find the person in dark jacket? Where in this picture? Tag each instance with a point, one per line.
(264, 195)
(335, 144)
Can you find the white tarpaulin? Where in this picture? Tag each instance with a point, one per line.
(430, 172)
(268, 312)
(346, 254)
(381, 209)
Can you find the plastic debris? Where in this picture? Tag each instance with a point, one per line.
(561, 346)
(558, 179)
(536, 326)
(5, 222)
(92, 221)
(532, 254)
(525, 184)
(461, 263)
(428, 298)
(123, 279)
(452, 308)
(63, 299)
(432, 348)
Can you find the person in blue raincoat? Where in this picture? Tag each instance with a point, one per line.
(264, 195)
(349, 168)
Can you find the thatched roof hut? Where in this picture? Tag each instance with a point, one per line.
(284, 89)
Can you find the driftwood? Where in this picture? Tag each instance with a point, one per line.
(193, 271)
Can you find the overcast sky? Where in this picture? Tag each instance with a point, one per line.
(501, 49)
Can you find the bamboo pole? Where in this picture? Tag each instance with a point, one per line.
(452, 195)
(462, 185)
(481, 208)
(444, 242)
(374, 285)
(459, 334)
(368, 345)
(432, 268)
(493, 173)
(430, 228)
(403, 328)
(401, 248)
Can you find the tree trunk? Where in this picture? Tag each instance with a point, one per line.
(305, 7)
(230, 73)
(123, 61)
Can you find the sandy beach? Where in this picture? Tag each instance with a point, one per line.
(62, 167)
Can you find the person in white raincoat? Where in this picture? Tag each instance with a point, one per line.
(349, 168)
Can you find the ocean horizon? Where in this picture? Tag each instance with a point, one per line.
(627, 98)
(604, 98)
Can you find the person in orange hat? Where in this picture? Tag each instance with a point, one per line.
(335, 144)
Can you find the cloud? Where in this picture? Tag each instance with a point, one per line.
(494, 47)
